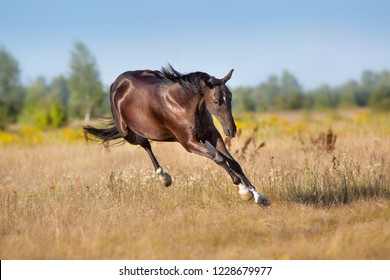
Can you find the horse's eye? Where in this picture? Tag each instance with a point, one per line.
(216, 102)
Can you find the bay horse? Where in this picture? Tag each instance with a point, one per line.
(169, 106)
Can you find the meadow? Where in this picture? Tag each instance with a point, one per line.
(325, 174)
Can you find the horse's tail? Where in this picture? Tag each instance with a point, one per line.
(109, 132)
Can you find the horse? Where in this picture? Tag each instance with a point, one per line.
(169, 106)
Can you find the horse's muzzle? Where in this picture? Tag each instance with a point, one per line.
(230, 132)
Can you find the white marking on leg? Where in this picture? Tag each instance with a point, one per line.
(258, 198)
(242, 188)
(164, 177)
(159, 170)
(244, 192)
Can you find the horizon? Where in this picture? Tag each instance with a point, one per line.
(319, 43)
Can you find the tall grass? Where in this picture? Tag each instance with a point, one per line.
(319, 173)
(84, 201)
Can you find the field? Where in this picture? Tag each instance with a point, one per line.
(326, 175)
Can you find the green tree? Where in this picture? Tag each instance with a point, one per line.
(44, 105)
(285, 93)
(84, 83)
(380, 98)
(58, 99)
(11, 93)
(324, 97)
(289, 84)
(56, 114)
(243, 100)
(269, 92)
(59, 90)
(290, 95)
(367, 87)
(35, 110)
(348, 94)
(296, 101)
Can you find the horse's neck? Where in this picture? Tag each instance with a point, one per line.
(201, 105)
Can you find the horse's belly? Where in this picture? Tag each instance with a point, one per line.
(151, 131)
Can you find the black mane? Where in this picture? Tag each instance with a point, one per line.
(191, 81)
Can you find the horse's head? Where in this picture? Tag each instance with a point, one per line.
(218, 99)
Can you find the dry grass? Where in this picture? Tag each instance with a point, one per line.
(77, 201)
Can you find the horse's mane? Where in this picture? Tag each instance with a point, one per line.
(190, 81)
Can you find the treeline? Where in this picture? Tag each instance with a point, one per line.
(81, 94)
(51, 104)
(286, 93)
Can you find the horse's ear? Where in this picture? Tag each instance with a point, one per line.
(212, 82)
(228, 76)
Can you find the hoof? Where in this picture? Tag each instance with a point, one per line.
(244, 192)
(246, 196)
(262, 201)
(165, 178)
(259, 199)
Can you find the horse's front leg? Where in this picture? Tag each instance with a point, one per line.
(246, 186)
(206, 149)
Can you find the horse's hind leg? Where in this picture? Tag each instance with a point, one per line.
(135, 139)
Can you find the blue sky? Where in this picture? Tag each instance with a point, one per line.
(318, 41)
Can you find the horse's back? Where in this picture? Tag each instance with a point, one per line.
(147, 77)
(136, 105)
